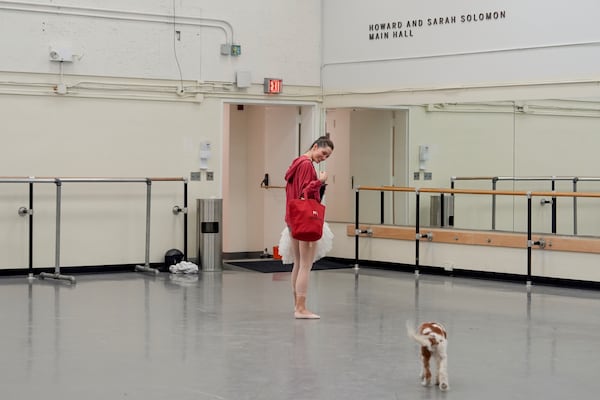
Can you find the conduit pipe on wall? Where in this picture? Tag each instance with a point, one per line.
(566, 108)
(105, 91)
(193, 93)
(89, 12)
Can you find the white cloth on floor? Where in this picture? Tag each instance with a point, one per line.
(184, 267)
(324, 245)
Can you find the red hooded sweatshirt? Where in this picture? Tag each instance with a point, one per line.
(301, 176)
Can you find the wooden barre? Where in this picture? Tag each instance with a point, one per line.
(272, 187)
(388, 188)
(474, 191)
(480, 238)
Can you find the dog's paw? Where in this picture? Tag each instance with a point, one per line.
(444, 386)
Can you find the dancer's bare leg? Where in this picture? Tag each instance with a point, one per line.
(307, 255)
(296, 268)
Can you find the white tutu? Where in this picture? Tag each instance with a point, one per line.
(324, 245)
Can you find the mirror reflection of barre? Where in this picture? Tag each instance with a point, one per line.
(265, 181)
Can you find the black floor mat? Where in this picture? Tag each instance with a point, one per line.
(271, 265)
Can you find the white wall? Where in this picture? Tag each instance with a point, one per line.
(105, 138)
(527, 42)
(116, 110)
(136, 39)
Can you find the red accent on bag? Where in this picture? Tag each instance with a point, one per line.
(306, 218)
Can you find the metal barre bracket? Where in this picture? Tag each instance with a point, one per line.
(541, 243)
(23, 211)
(363, 232)
(177, 210)
(428, 235)
(544, 202)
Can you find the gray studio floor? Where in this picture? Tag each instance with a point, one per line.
(231, 335)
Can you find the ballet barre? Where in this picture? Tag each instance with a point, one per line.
(59, 181)
(359, 230)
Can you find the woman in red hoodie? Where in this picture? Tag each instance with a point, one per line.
(302, 180)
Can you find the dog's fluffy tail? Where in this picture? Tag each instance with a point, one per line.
(412, 333)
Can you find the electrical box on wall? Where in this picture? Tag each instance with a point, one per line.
(423, 156)
(61, 54)
(236, 50)
(243, 79)
(423, 152)
(225, 49)
(205, 154)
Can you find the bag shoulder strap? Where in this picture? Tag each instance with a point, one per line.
(303, 193)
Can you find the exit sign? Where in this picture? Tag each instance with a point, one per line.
(273, 86)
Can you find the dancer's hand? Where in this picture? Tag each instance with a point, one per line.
(323, 176)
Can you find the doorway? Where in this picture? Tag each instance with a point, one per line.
(260, 141)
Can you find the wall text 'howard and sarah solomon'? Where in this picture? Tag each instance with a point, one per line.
(404, 29)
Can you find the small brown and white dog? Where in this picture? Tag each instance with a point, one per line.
(433, 339)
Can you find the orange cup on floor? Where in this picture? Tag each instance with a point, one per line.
(276, 253)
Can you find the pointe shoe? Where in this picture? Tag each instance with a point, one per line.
(305, 315)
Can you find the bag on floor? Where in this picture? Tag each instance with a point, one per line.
(306, 218)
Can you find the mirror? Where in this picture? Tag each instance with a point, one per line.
(427, 145)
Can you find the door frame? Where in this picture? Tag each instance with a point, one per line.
(317, 126)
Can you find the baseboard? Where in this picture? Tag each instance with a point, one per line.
(423, 269)
(473, 274)
(241, 255)
(91, 269)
